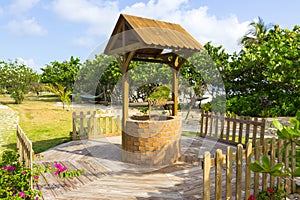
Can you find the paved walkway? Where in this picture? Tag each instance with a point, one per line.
(8, 123)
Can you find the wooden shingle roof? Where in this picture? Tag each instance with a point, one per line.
(149, 37)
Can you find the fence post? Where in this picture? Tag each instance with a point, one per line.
(206, 176)
(234, 129)
(247, 132)
(279, 159)
(227, 129)
(95, 127)
(206, 124)
(262, 130)
(210, 123)
(74, 136)
(255, 132)
(106, 125)
(222, 119)
(287, 165)
(118, 124)
(229, 161)
(265, 176)
(248, 172)
(272, 160)
(293, 167)
(218, 174)
(216, 123)
(81, 117)
(88, 116)
(113, 125)
(25, 151)
(256, 175)
(201, 122)
(241, 118)
(239, 171)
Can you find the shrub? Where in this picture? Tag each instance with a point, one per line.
(15, 177)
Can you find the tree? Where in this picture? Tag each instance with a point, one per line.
(257, 29)
(265, 79)
(61, 92)
(16, 79)
(102, 77)
(98, 77)
(63, 73)
(202, 74)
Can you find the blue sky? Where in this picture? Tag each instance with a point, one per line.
(40, 31)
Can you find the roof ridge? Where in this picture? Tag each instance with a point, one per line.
(146, 18)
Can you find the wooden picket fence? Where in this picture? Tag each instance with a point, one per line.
(25, 150)
(232, 177)
(232, 130)
(94, 125)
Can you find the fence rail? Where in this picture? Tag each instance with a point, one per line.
(25, 150)
(94, 125)
(241, 182)
(232, 130)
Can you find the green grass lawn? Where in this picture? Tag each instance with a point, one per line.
(45, 125)
(185, 133)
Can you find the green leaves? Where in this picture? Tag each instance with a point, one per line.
(61, 92)
(291, 135)
(16, 79)
(287, 132)
(256, 167)
(269, 68)
(265, 167)
(63, 73)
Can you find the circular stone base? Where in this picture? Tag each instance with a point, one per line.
(152, 142)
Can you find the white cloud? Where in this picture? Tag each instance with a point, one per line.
(21, 6)
(26, 27)
(99, 16)
(159, 9)
(29, 63)
(204, 27)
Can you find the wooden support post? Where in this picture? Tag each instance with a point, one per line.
(176, 65)
(125, 99)
(175, 92)
(124, 65)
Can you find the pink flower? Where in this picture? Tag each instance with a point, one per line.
(60, 168)
(9, 168)
(56, 172)
(63, 169)
(14, 195)
(36, 177)
(23, 172)
(251, 197)
(22, 194)
(270, 190)
(36, 197)
(57, 165)
(38, 155)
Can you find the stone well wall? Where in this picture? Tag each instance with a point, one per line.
(154, 142)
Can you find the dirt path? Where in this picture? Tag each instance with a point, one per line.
(8, 122)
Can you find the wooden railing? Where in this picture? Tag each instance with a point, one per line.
(232, 130)
(25, 150)
(232, 177)
(94, 125)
